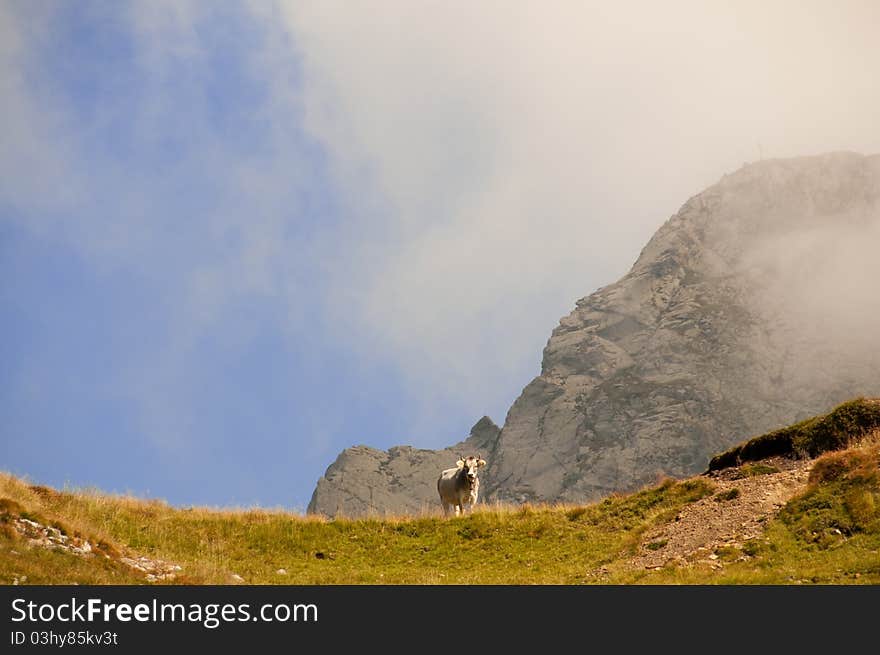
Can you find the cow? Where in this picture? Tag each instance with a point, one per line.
(459, 486)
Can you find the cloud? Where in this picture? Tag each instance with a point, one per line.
(818, 282)
(429, 186)
(515, 157)
(161, 146)
(34, 157)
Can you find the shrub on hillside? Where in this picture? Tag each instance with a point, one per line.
(810, 438)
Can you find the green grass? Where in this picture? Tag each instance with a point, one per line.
(828, 534)
(526, 545)
(723, 496)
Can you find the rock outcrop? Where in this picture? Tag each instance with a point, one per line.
(402, 480)
(751, 308)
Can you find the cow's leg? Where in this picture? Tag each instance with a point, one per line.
(458, 510)
(445, 507)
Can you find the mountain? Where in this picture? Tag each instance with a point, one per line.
(751, 308)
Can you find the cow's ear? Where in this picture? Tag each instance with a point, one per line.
(460, 462)
(481, 462)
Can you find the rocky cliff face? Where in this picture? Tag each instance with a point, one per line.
(751, 308)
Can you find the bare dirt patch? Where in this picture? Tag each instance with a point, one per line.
(718, 528)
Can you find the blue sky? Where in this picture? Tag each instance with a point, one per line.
(236, 238)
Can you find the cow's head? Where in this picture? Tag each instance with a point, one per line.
(470, 465)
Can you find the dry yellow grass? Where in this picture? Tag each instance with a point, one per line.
(830, 533)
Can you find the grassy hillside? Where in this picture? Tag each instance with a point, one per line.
(828, 533)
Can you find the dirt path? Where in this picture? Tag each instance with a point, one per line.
(745, 499)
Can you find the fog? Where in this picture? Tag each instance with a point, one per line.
(522, 154)
(816, 284)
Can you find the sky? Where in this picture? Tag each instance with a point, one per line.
(236, 238)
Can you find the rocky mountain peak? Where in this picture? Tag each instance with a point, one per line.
(752, 307)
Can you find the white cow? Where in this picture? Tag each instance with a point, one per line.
(459, 486)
